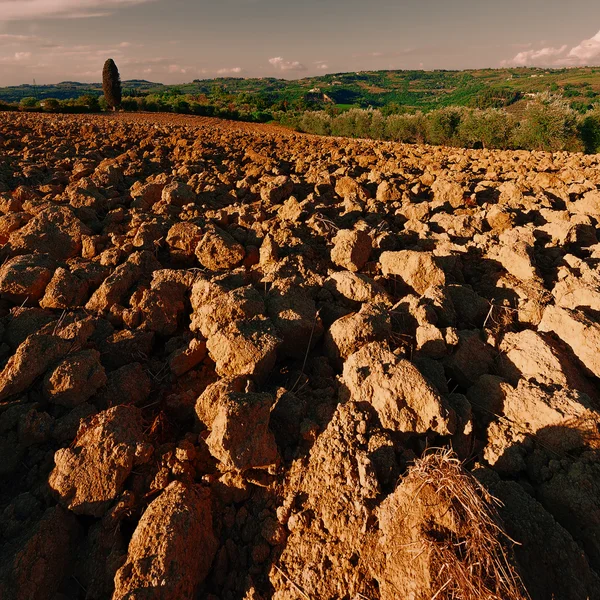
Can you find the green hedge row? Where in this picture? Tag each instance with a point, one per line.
(546, 123)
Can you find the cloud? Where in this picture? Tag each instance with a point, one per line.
(287, 65)
(177, 69)
(542, 56)
(232, 71)
(18, 10)
(11, 39)
(322, 65)
(17, 58)
(587, 52)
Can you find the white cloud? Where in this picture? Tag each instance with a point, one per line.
(232, 71)
(542, 56)
(322, 65)
(10, 39)
(18, 10)
(287, 65)
(22, 55)
(587, 52)
(177, 69)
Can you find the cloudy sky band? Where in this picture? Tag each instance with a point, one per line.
(175, 41)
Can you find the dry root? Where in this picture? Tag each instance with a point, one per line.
(473, 561)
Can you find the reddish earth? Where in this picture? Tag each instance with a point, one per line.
(227, 349)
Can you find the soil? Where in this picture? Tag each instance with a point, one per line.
(227, 351)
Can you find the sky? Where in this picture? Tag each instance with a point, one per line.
(176, 41)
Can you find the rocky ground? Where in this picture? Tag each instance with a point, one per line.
(223, 347)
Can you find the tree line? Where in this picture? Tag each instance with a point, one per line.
(546, 123)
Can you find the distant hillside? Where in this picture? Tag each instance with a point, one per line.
(424, 90)
(66, 90)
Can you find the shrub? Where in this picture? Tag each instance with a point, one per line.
(444, 124)
(29, 104)
(411, 129)
(7, 106)
(51, 105)
(491, 128)
(589, 132)
(89, 102)
(548, 124)
(318, 122)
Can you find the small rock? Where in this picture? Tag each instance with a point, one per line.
(294, 314)
(75, 379)
(159, 558)
(245, 348)
(277, 189)
(351, 249)
(24, 278)
(350, 333)
(418, 270)
(215, 307)
(178, 194)
(404, 400)
(217, 250)
(91, 474)
(186, 358)
(578, 331)
(240, 437)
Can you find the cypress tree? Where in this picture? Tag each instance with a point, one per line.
(111, 84)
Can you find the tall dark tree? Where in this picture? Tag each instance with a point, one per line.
(111, 84)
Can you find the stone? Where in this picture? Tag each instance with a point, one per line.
(130, 384)
(160, 562)
(75, 379)
(531, 356)
(37, 354)
(184, 359)
(217, 251)
(91, 474)
(54, 231)
(515, 253)
(42, 560)
(294, 314)
(116, 285)
(418, 270)
(182, 239)
(65, 290)
(245, 348)
(215, 307)
(277, 189)
(351, 249)
(356, 288)
(25, 278)
(578, 331)
(178, 194)
(240, 437)
(450, 192)
(404, 400)
(350, 333)
(472, 358)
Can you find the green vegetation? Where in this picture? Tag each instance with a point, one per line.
(547, 123)
(507, 108)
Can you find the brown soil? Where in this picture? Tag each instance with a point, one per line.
(237, 362)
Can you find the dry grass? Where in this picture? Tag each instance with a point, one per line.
(473, 564)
